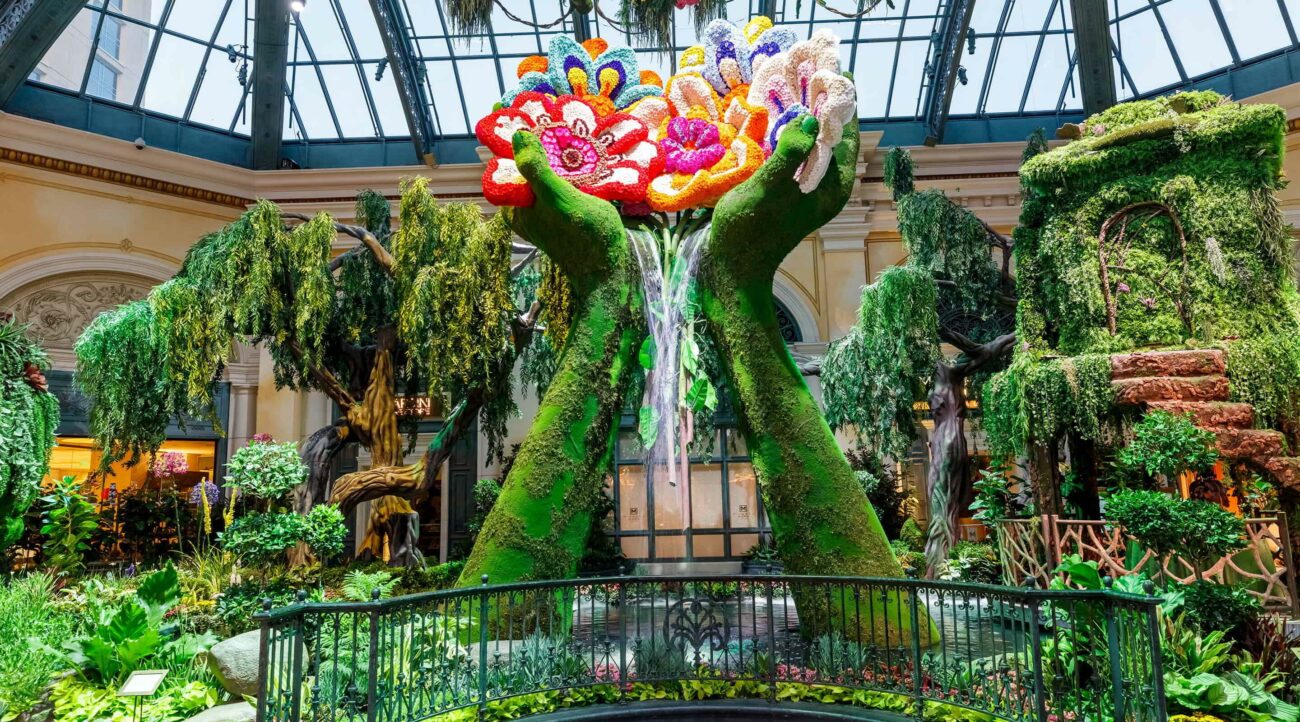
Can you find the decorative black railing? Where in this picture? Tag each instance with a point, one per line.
(898, 644)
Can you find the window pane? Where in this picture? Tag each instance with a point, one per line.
(736, 444)
(635, 547)
(670, 500)
(743, 491)
(103, 81)
(670, 547)
(631, 499)
(706, 496)
(64, 65)
(741, 543)
(704, 546)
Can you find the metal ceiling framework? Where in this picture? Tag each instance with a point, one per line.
(335, 77)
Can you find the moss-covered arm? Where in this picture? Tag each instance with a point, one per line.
(539, 525)
(820, 515)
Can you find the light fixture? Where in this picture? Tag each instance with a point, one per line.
(297, 5)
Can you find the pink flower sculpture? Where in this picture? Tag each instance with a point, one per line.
(607, 156)
(807, 79)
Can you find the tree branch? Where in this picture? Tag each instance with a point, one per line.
(325, 379)
(530, 256)
(958, 339)
(368, 239)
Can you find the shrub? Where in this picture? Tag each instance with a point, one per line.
(1164, 445)
(69, 521)
(266, 470)
(880, 484)
(912, 536)
(1223, 607)
(1199, 531)
(359, 585)
(260, 537)
(27, 609)
(325, 531)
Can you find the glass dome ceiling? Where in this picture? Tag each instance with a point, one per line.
(180, 72)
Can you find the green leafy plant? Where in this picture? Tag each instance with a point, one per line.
(128, 636)
(1224, 607)
(29, 415)
(880, 482)
(1165, 445)
(28, 608)
(324, 531)
(1198, 531)
(68, 522)
(261, 537)
(266, 470)
(912, 536)
(360, 585)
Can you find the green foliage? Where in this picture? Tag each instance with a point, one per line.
(367, 299)
(880, 483)
(1233, 694)
(912, 536)
(266, 470)
(28, 418)
(325, 531)
(456, 298)
(1216, 164)
(1263, 371)
(1164, 445)
(68, 521)
(127, 637)
(263, 537)
(899, 176)
(994, 499)
(974, 562)
(1210, 606)
(872, 376)
(179, 699)
(1196, 530)
(28, 609)
(360, 585)
(1038, 400)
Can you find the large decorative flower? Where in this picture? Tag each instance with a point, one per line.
(703, 159)
(730, 55)
(807, 79)
(609, 79)
(608, 156)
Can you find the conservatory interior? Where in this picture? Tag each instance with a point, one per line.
(398, 360)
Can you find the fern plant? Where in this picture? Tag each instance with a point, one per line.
(360, 586)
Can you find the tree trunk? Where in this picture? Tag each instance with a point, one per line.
(946, 482)
(318, 453)
(1044, 473)
(539, 525)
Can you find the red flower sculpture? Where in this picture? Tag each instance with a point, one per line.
(608, 156)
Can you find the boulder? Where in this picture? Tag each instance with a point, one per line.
(1206, 362)
(1145, 389)
(234, 712)
(234, 662)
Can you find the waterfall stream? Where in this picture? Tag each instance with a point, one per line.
(668, 265)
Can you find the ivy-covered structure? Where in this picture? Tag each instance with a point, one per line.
(1156, 228)
(29, 413)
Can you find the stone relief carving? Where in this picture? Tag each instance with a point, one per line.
(60, 308)
(11, 17)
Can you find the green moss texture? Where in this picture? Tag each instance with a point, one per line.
(539, 526)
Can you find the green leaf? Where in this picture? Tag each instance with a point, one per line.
(160, 591)
(649, 427)
(647, 355)
(697, 394)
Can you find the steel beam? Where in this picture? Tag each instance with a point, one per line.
(27, 30)
(270, 69)
(945, 59)
(407, 76)
(1092, 39)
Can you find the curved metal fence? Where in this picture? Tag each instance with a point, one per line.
(1015, 653)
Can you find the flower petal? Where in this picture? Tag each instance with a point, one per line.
(497, 130)
(504, 185)
(835, 105)
(689, 91)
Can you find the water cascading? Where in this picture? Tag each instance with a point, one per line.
(668, 264)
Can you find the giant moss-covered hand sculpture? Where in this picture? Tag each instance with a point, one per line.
(758, 126)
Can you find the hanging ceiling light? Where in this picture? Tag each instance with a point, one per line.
(297, 5)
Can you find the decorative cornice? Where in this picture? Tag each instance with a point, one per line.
(117, 177)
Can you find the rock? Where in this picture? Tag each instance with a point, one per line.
(235, 712)
(234, 661)
(1135, 391)
(1207, 362)
(1248, 443)
(1285, 470)
(1211, 414)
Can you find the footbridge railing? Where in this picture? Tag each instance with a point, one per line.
(902, 645)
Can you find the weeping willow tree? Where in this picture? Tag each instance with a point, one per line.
(956, 288)
(429, 308)
(29, 414)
